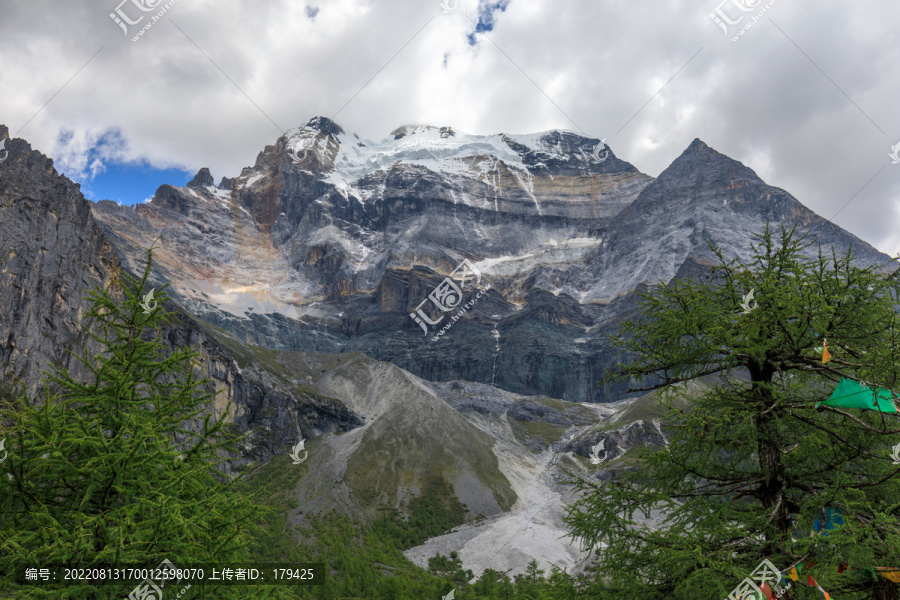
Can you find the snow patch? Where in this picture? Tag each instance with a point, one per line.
(252, 180)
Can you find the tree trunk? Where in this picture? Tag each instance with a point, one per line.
(884, 589)
(770, 490)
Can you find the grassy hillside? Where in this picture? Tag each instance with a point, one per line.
(413, 447)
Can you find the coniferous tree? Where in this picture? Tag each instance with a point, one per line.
(561, 585)
(109, 473)
(748, 468)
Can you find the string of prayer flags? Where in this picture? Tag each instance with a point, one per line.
(794, 575)
(889, 573)
(853, 394)
(812, 583)
(767, 582)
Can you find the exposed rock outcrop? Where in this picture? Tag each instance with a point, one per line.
(53, 253)
(329, 243)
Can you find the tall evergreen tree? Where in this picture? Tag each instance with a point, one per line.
(109, 473)
(747, 470)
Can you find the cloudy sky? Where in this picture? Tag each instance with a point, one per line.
(807, 96)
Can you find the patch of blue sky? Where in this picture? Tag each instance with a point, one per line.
(487, 17)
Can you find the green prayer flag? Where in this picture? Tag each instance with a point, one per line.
(852, 394)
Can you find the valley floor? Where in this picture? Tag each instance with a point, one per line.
(533, 528)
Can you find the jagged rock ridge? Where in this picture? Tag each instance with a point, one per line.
(52, 253)
(329, 243)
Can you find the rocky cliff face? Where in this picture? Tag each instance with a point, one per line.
(703, 195)
(51, 250)
(52, 253)
(330, 243)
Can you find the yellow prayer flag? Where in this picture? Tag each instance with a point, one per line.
(889, 574)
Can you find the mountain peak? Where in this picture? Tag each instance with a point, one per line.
(700, 160)
(324, 125)
(697, 145)
(414, 128)
(203, 177)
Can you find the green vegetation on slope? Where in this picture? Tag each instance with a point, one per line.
(93, 478)
(289, 367)
(543, 433)
(649, 407)
(435, 512)
(366, 562)
(397, 454)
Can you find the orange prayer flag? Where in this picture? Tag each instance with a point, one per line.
(826, 355)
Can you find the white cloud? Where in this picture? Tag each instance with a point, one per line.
(97, 167)
(761, 100)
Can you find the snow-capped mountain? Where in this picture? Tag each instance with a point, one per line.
(331, 243)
